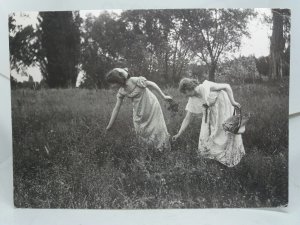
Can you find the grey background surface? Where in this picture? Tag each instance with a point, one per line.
(9, 215)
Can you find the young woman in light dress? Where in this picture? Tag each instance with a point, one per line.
(148, 118)
(216, 102)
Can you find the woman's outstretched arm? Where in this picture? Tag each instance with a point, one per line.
(155, 87)
(227, 88)
(186, 121)
(114, 113)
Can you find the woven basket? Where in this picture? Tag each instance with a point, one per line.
(233, 123)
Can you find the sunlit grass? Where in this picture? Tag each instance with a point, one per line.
(63, 157)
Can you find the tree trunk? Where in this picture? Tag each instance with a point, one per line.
(212, 71)
(277, 46)
(167, 78)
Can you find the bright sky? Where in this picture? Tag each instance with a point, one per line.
(257, 44)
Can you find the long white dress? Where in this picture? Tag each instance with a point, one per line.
(214, 142)
(148, 118)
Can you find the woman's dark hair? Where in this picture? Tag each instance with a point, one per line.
(116, 76)
(187, 84)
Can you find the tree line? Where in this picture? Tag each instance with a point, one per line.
(163, 45)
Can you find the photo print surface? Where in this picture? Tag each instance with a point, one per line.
(150, 109)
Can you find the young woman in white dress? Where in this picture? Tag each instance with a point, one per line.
(148, 118)
(216, 102)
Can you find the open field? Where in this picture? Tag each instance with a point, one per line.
(64, 159)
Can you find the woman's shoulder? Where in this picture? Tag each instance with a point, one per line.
(206, 85)
(132, 81)
(204, 89)
(207, 82)
(133, 78)
(139, 81)
(137, 78)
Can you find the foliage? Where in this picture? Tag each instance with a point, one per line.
(101, 42)
(239, 70)
(162, 45)
(23, 45)
(160, 35)
(215, 32)
(262, 65)
(149, 42)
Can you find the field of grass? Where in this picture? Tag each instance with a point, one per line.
(63, 159)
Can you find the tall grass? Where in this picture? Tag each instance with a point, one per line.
(64, 159)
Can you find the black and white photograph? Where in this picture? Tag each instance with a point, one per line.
(150, 108)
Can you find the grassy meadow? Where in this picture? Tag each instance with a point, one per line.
(63, 158)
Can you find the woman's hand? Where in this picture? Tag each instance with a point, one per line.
(236, 104)
(175, 137)
(168, 98)
(107, 129)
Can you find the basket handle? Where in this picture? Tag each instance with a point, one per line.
(240, 113)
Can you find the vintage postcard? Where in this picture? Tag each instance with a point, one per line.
(150, 109)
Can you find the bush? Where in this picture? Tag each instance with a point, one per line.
(240, 70)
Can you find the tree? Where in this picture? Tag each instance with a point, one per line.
(23, 44)
(159, 44)
(280, 44)
(262, 65)
(101, 45)
(277, 45)
(215, 32)
(60, 47)
(145, 45)
(155, 43)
